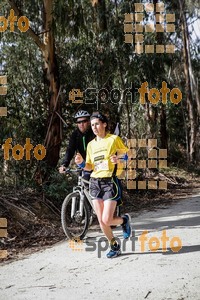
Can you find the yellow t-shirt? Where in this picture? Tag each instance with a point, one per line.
(99, 152)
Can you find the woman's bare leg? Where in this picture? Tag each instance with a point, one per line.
(108, 213)
(105, 211)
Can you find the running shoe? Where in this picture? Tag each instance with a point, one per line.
(114, 252)
(127, 226)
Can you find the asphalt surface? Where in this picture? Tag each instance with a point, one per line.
(82, 271)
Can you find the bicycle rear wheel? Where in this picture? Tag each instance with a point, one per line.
(76, 226)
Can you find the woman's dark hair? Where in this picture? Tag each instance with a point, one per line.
(101, 117)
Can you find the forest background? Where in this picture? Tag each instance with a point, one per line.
(81, 44)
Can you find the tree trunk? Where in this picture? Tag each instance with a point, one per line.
(190, 101)
(47, 47)
(100, 15)
(53, 140)
(151, 119)
(163, 128)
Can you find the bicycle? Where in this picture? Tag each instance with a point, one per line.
(77, 211)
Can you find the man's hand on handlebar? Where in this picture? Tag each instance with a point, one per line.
(78, 159)
(62, 169)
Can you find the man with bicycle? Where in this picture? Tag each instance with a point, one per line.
(79, 140)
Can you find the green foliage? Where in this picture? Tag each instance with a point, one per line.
(90, 52)
(58, 187)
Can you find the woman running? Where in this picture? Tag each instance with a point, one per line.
(104, 188)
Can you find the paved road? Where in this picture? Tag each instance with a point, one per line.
(60, 273)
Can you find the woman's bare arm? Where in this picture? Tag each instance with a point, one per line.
(88, 167)
(79, 159)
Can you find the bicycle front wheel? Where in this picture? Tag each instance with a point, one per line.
(74, 224)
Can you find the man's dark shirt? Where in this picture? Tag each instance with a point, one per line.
(77, 143)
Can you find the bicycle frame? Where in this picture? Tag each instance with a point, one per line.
(84, 193)
(80, 188)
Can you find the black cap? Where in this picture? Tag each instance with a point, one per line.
(99, 116)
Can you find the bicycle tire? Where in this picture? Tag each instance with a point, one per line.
(70, 225)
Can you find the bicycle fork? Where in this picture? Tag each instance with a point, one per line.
(81, 204)
(73, 207)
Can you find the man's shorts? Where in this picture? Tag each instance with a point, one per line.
(106, 189)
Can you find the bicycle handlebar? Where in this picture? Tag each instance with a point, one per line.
(69, 170)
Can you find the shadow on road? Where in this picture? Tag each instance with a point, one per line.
(183, 250)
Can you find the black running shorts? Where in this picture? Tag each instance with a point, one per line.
(106, 189)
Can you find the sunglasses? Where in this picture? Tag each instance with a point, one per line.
(82, 121)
